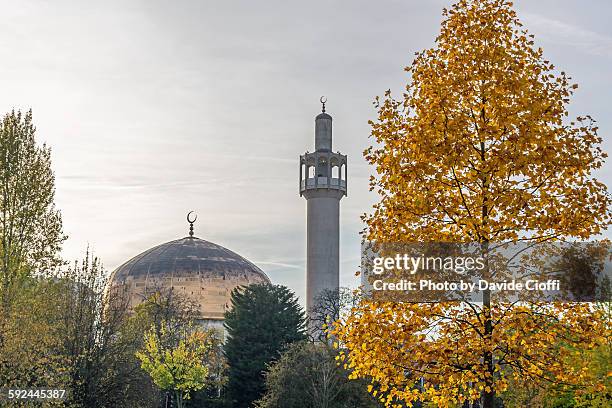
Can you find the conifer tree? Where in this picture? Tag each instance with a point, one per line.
(263, 321)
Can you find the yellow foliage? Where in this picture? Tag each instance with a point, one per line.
(478, 150)
(386, 345)
(181, 367)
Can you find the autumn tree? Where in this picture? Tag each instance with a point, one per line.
(58, 333)
(97, 345)
(594, 365)
(30, 239)
(167, 313)
(182, 367)
(31, 347)
(30, 225)
(479, 149)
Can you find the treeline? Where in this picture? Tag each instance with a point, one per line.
(61, 328)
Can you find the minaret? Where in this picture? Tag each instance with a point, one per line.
(323, 184)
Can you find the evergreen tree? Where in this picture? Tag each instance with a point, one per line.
(263, 321)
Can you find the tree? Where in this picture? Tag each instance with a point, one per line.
(478, 150)
(60, 334)
(329, 305)
(184, 367)
(307, 376)
(97, 344)
(167, 306)
(263, 320)
(598, 363)
(595, 365)
(30, 226)
(168, 311)
(30, 231)
(31, 347)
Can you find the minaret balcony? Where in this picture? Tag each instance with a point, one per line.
(323, 170)
(313, 183)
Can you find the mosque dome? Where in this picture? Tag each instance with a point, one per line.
(203, 272)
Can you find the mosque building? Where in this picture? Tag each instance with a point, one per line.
(202, 272)
(205, 273)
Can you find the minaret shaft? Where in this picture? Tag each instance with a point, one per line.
(322, 244)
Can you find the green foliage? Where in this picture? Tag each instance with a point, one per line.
(264, 319)
(308, 376)
(599, 368)
(164, 307)
(31, 338)
(30, 226)
(58, 333)
(167, 310)
(183, 367)
(596, 363)
(97, 344)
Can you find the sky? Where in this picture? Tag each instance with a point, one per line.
(155, 108)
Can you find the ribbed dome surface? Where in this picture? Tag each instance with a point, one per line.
(202, 271)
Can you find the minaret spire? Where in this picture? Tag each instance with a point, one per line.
(323, 129)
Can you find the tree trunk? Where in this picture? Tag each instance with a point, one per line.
(179, 399)
(488, 397)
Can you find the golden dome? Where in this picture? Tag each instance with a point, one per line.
(203, 272)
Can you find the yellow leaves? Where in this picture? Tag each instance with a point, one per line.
(478, 149)
(386, 344)
(181, 365)
(484, 105)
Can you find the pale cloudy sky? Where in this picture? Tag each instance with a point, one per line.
(154, 108)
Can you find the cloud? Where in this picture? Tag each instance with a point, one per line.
(566, 34)
(279, 264)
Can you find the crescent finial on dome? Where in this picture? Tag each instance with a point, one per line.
(191, 221)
